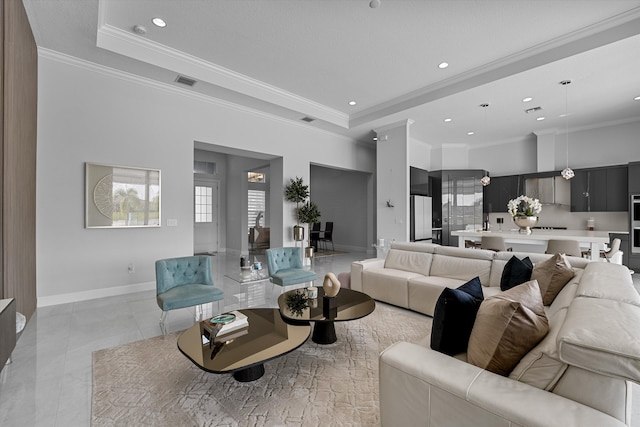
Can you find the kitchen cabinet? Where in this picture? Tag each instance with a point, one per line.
(599, 190)
(617, 189)
(634, 178)
(498, 193)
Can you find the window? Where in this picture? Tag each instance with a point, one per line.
(256, 208)
(204, 204)
(255, 177)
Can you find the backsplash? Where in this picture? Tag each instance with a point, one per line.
(561, 216)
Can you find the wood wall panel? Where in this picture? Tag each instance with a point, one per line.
(20, 99)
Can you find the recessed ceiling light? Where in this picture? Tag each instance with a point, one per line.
(637, 98)
(375, 138)
(470, 133)
(447, 120)
(159, 22)
(352, 103)
(540, 118)
(527, 99)
(443, 65)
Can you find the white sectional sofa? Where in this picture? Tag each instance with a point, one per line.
(578, 375)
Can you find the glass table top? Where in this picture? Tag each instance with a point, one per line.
(249, 276)
(266, 337)
(347, 305)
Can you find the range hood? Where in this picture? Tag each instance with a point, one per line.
(553, 190)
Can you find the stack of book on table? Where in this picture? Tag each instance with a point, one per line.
(238, 327)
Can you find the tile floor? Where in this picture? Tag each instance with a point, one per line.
(49, 381)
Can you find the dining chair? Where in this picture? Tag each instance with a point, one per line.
(567, 247)
(327, 236)
(472, 244)
(314, 234)
(494, 243)
(614, 249)
(185, 282)
(285, 267)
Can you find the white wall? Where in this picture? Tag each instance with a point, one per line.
(88, 114)
(506, 159)
(420, 155)
(392, 180)
(605, 146)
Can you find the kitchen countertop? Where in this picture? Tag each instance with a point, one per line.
(583, 236)
(595, 239)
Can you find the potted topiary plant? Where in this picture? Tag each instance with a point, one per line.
(309, 214)
(297, 193)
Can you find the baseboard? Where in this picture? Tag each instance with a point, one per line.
(93, 294)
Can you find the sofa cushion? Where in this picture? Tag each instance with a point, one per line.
(507, 327)
(462, 264)
(453, 317)
(516, 271)
(602, 336)
(619, 285)
(552, 275)
(425, 290)
(541, 366)
(387, 284)
(415, 262)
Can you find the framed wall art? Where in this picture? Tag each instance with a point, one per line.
(121, 196)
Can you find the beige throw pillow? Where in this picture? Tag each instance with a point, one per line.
(552, 275)
(507, 326)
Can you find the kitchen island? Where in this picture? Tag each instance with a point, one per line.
(595, 240)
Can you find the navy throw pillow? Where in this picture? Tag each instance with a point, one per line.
(516, 271)
(454, 316)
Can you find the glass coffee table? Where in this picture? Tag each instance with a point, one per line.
(324, 312)
(243, 352)
(251, 276)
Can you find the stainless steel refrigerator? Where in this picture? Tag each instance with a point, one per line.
(421, 218)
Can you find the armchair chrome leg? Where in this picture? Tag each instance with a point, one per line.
(199, 313)
(163, 328)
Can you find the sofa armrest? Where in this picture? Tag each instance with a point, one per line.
(423, 387)
(358, 267)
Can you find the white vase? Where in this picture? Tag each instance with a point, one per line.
(525, 223)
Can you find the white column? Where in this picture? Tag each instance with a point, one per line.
(392, 179)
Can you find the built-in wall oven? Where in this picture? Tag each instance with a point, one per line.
(634, 214)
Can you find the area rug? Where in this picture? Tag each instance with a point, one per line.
(151, 383)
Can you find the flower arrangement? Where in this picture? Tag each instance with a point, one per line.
(524, 206)
(296, 302)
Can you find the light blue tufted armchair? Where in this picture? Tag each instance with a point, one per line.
(285, 267)
(184, 282)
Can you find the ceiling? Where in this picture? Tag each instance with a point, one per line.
(309, 58)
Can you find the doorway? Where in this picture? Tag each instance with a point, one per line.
(206, 203)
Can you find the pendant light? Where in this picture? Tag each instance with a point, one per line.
(486, 179)
(567, 173)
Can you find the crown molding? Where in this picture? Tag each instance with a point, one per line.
(154, 84)
(610, 30)
(142, 49)
(406, 123)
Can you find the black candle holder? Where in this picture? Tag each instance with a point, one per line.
(329, 307)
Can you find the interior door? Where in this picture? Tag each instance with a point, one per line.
(206, 214)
